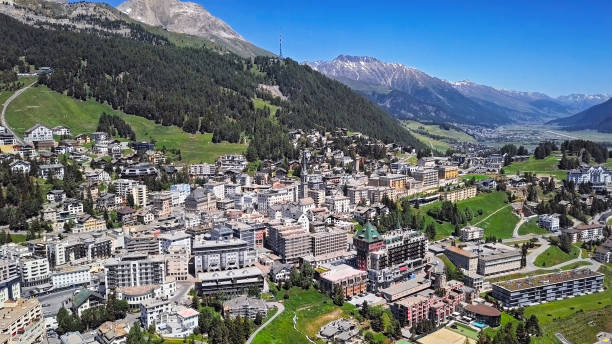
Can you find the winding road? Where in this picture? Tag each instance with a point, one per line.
(280, 309)
(5, 106)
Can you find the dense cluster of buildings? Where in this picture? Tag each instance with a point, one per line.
(217, 229)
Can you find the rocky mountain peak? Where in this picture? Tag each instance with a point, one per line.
(189, 18)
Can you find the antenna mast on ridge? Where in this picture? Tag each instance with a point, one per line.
(280, 46)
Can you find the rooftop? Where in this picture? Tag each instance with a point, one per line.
(542, 280)
(368, 233)
(341, 272)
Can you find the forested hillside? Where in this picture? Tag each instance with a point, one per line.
(194, 88)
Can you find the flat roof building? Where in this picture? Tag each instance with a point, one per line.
(544, 288)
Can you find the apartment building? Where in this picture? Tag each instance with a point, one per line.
(290, 242)
(245, 307)
(585, 233)
(202, 170)
(351, 280)
(395, 181)
(10, 281)
(544, 288)
(458, 194)
(273, 197)
(328, 241)
(338, 204)
(429, 177)
(550, 222)
(229, 282)
(411, 310)
(471, 233)
(177, 262)
(222, 254)
(70, 277)
(176, 239)
(462, 259)
(134, 270)
(23, 321)
(448, 172)
(34, 271)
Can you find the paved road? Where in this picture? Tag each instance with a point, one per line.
(515, 233)
(280, 308)
(5, 106)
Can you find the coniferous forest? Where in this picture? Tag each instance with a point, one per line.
(197, 89)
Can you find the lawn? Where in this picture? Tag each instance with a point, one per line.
(548, 166)
(477, 177)
(554, 255)
(42, 105)
(465, 330)
(313, 310)
(609, 163)
(580, 318)
(531, 227)
(500, 225)
(18, 238)
(575, 265)
(553, 311)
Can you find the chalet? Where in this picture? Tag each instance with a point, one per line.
(7, 139)
(61, 130)
(55, 170)
(56, 196)
(100, 137)
(20, 166)
(38, 133)
(82, 139)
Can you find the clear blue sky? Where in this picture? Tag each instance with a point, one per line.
(556, 47)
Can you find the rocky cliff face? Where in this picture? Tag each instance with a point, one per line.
(189, 18)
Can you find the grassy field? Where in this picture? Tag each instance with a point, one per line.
(313, 310)
(477, 177)
(531, 227)
(547, 166)
(579, 318)
(260, 104)
(500, 225)
(609, 163)
(465, 330)
(41, 105)
(575, 265)
(436, 137)
(554, 255)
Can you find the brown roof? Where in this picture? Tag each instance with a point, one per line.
(462, 252)
(583, 227)
(483, 310)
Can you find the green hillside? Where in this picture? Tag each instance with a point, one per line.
(42, 105)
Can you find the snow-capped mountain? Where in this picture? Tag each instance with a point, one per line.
(580, 102)
(407, 92)
(189, 18)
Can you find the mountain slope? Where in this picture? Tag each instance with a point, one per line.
(198, 90)
(527, 106)
(598, 117)
(434, 97)
(189, 18)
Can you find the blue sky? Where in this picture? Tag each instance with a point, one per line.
(556, 47)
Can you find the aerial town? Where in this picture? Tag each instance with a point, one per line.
(388, 243)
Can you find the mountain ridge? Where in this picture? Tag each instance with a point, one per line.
(428, 98)
(192, 19)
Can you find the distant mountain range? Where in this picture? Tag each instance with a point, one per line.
(409, 93)
(192, 19)
(598, 117)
